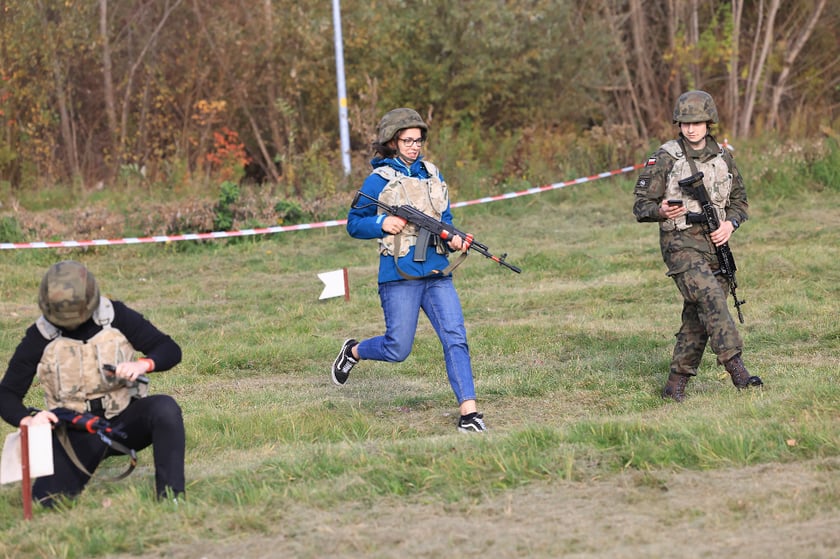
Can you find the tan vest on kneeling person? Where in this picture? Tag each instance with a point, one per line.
(72, 372)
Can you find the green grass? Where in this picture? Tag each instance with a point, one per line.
(569, 358)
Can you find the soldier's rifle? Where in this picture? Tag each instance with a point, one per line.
(693, 186)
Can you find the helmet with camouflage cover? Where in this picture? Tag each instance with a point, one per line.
(69, 294)
(398, 119)
(695, 106)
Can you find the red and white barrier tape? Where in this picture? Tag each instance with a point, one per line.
(554, 186)
(173, 238)
(303, 226)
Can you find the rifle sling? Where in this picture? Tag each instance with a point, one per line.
(61, 433)
(406, 275)
(691, 164)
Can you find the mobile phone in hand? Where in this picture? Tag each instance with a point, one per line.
(675, 202)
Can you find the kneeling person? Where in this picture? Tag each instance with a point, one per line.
(83, 349)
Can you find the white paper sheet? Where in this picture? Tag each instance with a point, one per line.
(40, 455)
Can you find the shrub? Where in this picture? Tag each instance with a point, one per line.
(289, 213)
(224, 209)
(10, 231)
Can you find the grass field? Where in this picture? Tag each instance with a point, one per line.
(582, 458)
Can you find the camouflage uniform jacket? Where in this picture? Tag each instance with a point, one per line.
(656, 181)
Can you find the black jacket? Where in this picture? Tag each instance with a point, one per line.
(142, 334)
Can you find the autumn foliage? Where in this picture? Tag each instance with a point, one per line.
(191, 88)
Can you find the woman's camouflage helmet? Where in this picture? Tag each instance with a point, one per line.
(396, 120)
(68, 295)
(695, 106)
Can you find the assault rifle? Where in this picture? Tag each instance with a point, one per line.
(435, 227)
(86, 421)
(91, 423)
(693, 186)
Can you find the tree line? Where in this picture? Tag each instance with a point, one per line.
(175, 88)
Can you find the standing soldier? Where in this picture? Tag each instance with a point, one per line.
(687, 247)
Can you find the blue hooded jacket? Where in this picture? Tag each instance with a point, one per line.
(365, 223)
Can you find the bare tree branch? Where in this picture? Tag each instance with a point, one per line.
(780, 86)
(757, 61)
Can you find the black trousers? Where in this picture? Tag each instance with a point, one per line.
(155, 420)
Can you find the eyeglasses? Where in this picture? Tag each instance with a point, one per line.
(408, 142)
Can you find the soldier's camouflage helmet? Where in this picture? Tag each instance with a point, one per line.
(398, 119)
(69, 294)
(695, 106)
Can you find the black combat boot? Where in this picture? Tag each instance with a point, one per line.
(675, 387)
(740, 376)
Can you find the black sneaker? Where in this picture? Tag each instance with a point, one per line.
(344, 363)
(472, 423)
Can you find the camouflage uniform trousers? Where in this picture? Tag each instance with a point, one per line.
(706, 319)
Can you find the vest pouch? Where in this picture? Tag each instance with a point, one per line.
(719, 193)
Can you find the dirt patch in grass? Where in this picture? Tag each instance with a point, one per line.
(767, 511)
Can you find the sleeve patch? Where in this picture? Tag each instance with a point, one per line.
(650, 162)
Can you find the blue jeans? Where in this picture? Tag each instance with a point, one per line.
(401, 303)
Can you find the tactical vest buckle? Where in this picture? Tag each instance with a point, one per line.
(95, 406)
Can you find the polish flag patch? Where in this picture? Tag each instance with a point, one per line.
(650, 162)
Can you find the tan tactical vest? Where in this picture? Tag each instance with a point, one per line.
(716, 178)
(71, 373)
(430, 196)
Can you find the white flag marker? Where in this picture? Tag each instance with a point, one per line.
(40, 455)
(335, 284)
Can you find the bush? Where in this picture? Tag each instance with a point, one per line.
(826, 169)
(10, 231)
(289, 213)
(224, 209)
